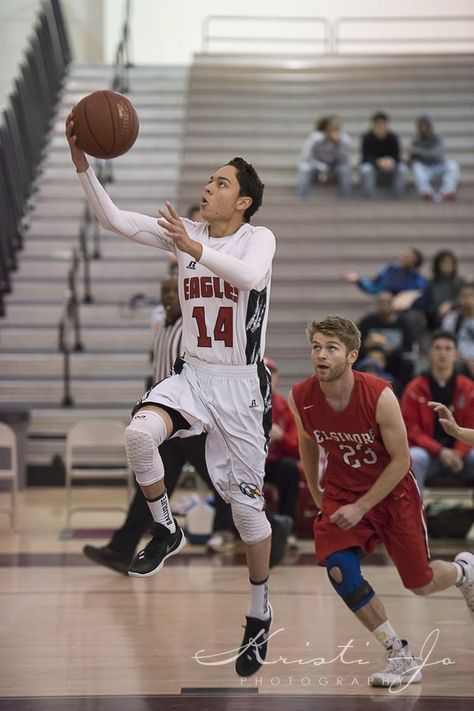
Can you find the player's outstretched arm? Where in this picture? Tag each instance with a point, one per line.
(139, 228)
(450, 426)
(309, 454)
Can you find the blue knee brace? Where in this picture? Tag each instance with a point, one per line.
(354, 590)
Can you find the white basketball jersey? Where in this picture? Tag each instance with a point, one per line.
(222, 323)
(225, 309)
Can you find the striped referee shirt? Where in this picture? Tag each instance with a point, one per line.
(166, 348)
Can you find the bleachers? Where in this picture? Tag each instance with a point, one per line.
(262, 111)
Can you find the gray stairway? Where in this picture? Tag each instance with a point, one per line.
(262, 109)
(190, 125)
(108, 377)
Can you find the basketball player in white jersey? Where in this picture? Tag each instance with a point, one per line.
(221, 385)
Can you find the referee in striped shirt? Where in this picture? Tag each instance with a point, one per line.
(120, 550)
(167, 341)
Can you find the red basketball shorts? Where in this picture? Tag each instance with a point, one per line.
(397, 521)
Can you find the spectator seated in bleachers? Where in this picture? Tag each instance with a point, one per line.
(460, 322)
(428, 164)
(402, 279)
(325, 157)
(381, 159)
(433, 451)
(442, 292)
(375, 362)
(389, 330)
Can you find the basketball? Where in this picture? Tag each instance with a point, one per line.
(105, 124)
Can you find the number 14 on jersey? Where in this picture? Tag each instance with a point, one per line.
(223, 327)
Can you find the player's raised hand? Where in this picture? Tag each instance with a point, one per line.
(347, 516)
(174, 226)
(78, 157)
(446, 418)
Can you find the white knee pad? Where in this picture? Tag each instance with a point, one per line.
(143, 436)
(252, 525)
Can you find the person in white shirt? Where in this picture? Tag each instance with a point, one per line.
(220, 385)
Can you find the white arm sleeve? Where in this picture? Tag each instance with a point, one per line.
(137, 227)
(249, 272)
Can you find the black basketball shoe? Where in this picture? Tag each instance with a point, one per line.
(104, 555)
(163, 545)
(253, 650)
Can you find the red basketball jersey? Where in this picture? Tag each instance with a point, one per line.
(351, 437)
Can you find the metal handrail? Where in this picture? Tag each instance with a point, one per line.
(207, 37)
(332, 39)
(69, 328)
(337, 40)
(120, 81)
(84, 252)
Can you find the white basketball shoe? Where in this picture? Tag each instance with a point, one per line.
(466, 561)
(401, 668)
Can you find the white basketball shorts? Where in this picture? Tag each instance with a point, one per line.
(232, 404)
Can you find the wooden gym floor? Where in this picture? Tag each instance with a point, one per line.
(78, 637)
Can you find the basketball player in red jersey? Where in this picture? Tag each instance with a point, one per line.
(370, 493)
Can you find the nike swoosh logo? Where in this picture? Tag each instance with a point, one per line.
(306, 407)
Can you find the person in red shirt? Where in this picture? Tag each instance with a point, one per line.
(434, 451)
(370, 494)
(281, 466)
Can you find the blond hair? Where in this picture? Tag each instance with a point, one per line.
(342, 328)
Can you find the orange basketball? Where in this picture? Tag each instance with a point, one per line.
(105, 124)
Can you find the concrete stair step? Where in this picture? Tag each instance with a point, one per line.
(109, 293)
(153, 172)
(305, 112)
(82, 364)
(90, 314)
(148, 141)
(358, 64)
(54, 209)
(46, 341)
(57, 421)
(139, 269)
(299, 127)
(163, 159)
(292, 143)
(297, 83)
(123, 191)
(119, 392)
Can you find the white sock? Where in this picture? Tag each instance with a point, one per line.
(259, 606)
(461, 573)
(161, 511)
(387, 636)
